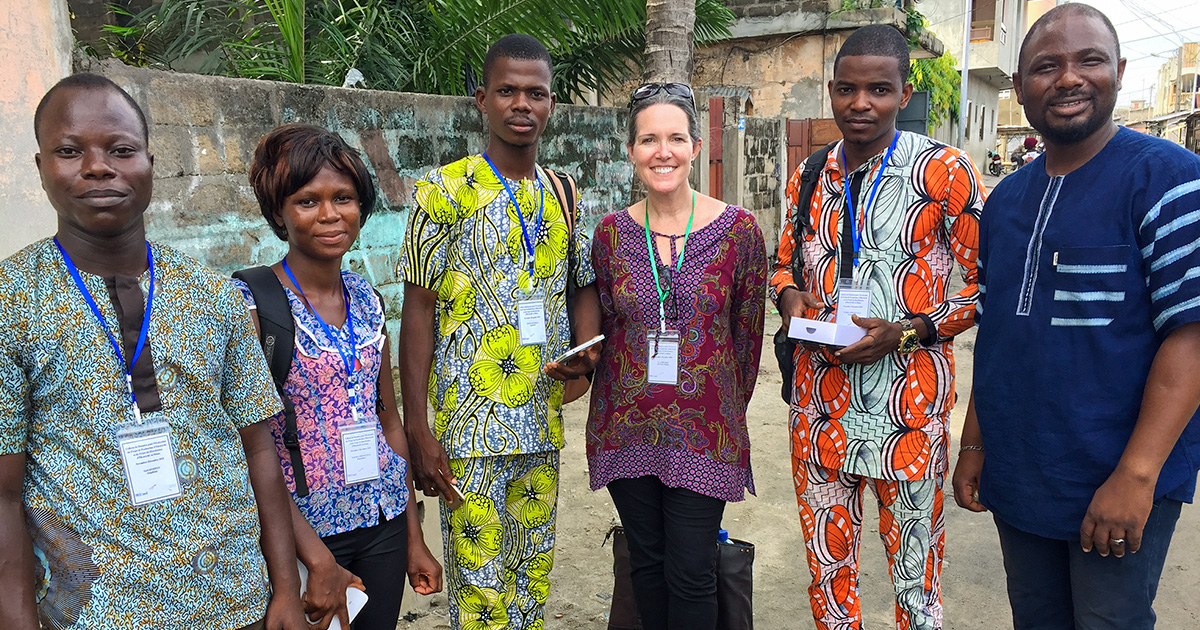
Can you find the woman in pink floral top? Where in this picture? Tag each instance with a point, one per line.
(667, 432)
(354, 524)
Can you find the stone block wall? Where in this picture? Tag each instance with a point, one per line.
(774, 8)
(764, 178)
(203, 132)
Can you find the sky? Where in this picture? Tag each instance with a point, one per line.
(1150, 32)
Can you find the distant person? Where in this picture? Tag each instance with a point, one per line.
(1081, 437)
(682, 278)
(892, 213)
(133, 447)
(1029, 150)
(491, 257)
(354, 521)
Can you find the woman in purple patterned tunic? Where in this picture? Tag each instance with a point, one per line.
(681, 278)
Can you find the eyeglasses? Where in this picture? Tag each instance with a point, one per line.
(644, 92)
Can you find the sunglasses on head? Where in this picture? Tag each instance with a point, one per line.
(644, 92)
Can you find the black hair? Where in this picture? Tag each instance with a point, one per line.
(1073, 8)
(290, 156)
(877, 40)
(88, 81)
(663, 96)
(516, 46)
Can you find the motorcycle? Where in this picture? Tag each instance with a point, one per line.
(995, 167)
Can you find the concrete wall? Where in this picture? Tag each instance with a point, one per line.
(35, 44)
(763, 182)
(985, 102)
(984, 116)
(786, 75)
(782, 52)
(203, 131)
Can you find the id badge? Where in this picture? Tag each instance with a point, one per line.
(853, 299)
(531, 319)
(360, 452)
(148, 458)
(662, 362)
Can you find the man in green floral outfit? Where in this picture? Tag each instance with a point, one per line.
(485, 268)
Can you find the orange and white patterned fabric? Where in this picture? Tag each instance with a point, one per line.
(913, 531)
(886, 420)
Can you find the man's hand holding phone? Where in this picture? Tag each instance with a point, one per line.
(575, 362)
(454, 498)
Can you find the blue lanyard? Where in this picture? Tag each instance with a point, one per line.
(142, 334)
(857, 234)
(524, 230)
(348, 360)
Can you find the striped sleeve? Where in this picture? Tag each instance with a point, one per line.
(1169, 238)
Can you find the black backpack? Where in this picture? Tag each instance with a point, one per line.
(562, 186)
(801, 223)
(277, 334)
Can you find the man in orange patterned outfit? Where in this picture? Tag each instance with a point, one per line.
(873, 414)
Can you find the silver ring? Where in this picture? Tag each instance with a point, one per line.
(1117, 541)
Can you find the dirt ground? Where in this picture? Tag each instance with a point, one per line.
(972, 576)
(973, 590)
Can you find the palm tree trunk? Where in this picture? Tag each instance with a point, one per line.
(669, 25)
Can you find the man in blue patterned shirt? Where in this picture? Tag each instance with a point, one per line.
(129, 428)
(1082, 436)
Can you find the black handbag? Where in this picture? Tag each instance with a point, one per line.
(622, 615)
(735, 585)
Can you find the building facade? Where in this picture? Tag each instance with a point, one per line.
(1177, 82)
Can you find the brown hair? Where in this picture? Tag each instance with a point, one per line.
(290, 156)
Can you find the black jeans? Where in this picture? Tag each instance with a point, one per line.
(672, 535)
(379, 556)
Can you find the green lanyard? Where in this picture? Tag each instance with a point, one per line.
(663, 293)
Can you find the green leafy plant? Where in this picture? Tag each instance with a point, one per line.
(432, 46)
(938, 76)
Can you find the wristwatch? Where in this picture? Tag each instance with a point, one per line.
(908, 337)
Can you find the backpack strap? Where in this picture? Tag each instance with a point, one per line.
(565, 191)
(814, 166)
(277, 334)
(381, 406)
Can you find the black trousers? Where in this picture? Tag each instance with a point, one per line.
(379, 556)
(672, 535)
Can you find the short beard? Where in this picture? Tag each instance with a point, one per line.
(1077, 132)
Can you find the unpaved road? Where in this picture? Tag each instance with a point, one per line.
(972, 577)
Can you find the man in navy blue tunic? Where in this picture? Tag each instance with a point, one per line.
(1081, 437)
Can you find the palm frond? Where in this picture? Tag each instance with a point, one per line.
(413, 45)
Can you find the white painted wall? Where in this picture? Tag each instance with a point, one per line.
(35, 44)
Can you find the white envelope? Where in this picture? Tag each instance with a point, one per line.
(827, 333)
(355, 599)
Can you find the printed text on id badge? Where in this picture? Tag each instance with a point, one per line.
(360, 452)
(148, 459)
(531, 320)
(662, 362)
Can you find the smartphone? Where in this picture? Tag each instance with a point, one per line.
(457, 499)
(355, 599)
(566, 356)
